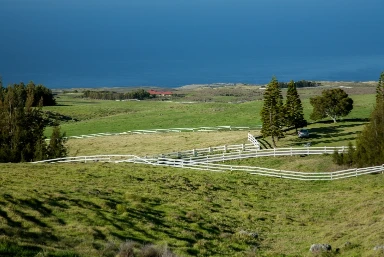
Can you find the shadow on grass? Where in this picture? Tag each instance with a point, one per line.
(13, 249)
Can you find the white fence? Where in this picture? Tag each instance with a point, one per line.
(243, 151)
(115, 158)
(153, 131)
(208, 162)
(253, 140)
(295, 175)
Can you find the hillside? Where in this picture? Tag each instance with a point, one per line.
(89, 209)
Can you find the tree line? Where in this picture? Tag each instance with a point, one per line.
(41, 95)
(300, 84)
(139, 94)
(22, 125)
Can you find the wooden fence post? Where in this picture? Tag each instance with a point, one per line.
(355, 169)
(243, 147)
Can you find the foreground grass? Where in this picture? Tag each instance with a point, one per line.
(89, 209)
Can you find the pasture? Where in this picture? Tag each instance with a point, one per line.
(97, 116)
(89, 209)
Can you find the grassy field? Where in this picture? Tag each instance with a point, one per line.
(89, 209)
(95, 116)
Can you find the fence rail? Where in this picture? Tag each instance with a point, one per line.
(295, 175)
(242, 151)
(208, 162)
(153, 131)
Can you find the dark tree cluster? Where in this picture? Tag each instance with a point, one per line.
(369, 149)
(300, 84)
(275, 115)
(41, 95)
(22, 127)
(139, 94)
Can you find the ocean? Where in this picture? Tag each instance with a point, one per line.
(171, 43)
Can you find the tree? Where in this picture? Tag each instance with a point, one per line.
(293, 109)
(56, 148)
(272, 112)
(21, 126)
(380, 88)
(370, 143)
(332, 103)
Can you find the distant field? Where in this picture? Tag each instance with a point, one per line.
(97, 116)
(89, 209)
(112, 116)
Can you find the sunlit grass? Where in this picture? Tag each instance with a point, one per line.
(82, 208)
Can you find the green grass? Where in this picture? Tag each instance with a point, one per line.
(90, 209)
(305, 163)
(97, 116)
(111, 116)
(83, 209)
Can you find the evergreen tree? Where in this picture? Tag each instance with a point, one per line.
(380, 88)
(21, 126)
(294, 116)
(56, 148)
(272, 112)
(370, 143)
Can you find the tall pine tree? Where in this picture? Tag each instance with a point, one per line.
(380, 88)
(272, 114)
(370, 142)
(293, 109)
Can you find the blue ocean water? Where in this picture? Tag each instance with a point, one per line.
(169, 43)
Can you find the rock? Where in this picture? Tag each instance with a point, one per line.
(317, 248)
(378, 248)
(250, 234)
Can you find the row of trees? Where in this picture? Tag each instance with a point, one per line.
(332, 103)
(139, 94)
(22, 127)
(369, 148)
(41, 95)
(300, 84)
(275, 115)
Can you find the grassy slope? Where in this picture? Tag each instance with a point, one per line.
(89, 208)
